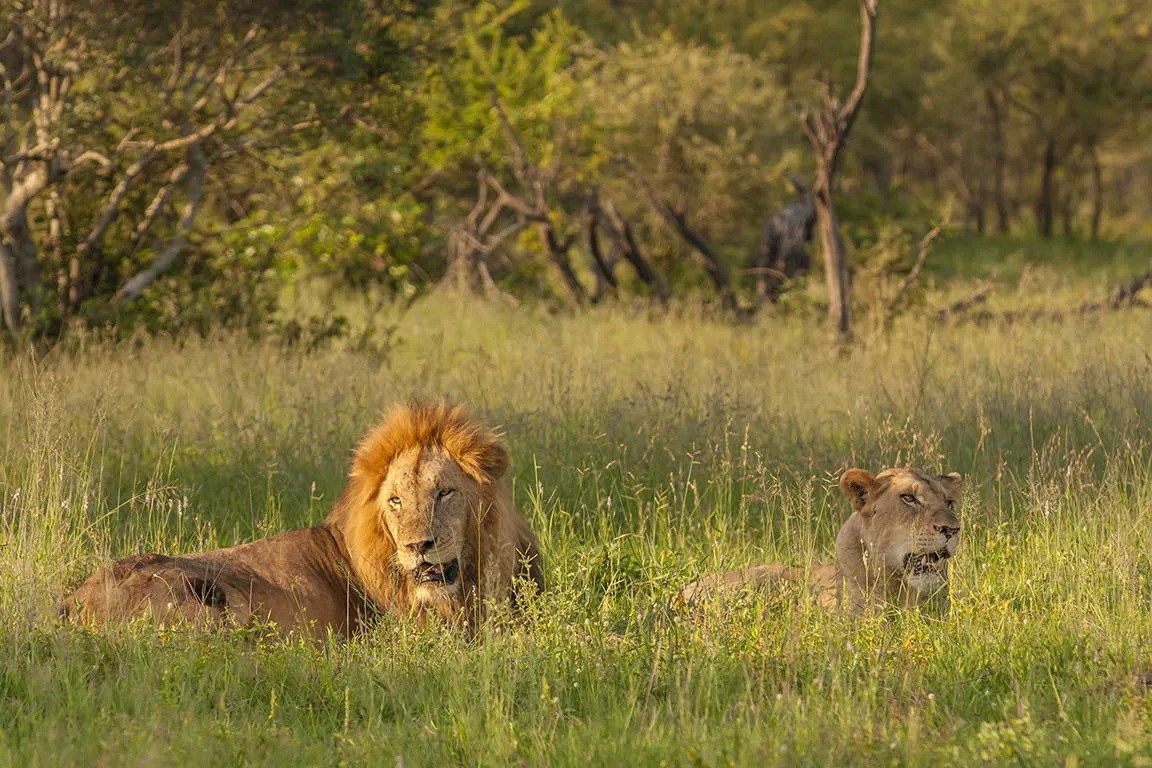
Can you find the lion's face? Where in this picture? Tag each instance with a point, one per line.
(909, 527)
(426, 501)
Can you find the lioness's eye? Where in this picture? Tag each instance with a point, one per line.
(394, 502)
(908, 498)
(444, 493)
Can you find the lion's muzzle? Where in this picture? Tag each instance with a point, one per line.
(436, 573)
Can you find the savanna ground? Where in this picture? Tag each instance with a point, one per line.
(648, 449)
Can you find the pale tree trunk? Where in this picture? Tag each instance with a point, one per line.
(476, 238)
(54, 213)
(27, 260)
(835, 267)
(19, 269)
(9, 291)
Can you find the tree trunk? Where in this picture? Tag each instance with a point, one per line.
(1097, 195)
(1044, 203)
(976, 207)
(835, 266)
(27, 259)
(558, 255)
(606, 284)
(54, 213)
(678, 221)
(9, 291)
(468, 271)
(998, 161)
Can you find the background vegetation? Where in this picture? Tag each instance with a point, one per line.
(191, 165)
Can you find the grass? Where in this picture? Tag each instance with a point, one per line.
(647, 451)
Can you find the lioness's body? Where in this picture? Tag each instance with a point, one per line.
(822, 582)
(893, 549)
(442, 474)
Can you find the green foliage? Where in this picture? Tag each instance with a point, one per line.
(704, 125)
(530, 76)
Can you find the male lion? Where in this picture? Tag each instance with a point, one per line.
(894, 549)
(425, 526)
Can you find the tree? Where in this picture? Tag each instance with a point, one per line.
(71, 124)
(506, 104)
(827, 132)
(698, 131)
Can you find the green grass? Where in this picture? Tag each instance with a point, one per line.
(647, 451)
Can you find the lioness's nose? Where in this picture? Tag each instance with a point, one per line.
(948, 530)
(420, 547)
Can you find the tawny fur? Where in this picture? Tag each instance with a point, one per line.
(898, 514)
(338, 576)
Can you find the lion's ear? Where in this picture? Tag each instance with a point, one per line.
(953, 481)
(207, 592)
(857, 486)
(494, 461)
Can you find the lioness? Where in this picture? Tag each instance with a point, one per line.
(425, 526)
(893, 549)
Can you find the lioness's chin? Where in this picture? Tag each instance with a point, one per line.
(925, 582)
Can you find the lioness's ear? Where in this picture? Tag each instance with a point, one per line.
(857, 485)
(953, 482)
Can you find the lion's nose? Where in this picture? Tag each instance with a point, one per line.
(948, 530)
(420, 547)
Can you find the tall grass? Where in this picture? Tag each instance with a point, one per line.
(647, 451)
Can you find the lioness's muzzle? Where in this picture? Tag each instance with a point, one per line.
(436, 573)
(926, 561)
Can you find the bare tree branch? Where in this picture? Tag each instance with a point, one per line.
(165, 259)
(676, 219)
(921, 255)
(159, 203)
(847, 114)
(621, 233)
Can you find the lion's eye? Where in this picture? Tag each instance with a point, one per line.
(908, 498)
(951, 505)
(444, 493)
(394, 502)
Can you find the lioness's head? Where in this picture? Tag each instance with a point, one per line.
(907, 526)
(423, 493)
